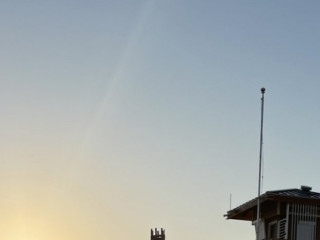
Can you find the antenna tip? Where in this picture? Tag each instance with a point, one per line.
(263, 90)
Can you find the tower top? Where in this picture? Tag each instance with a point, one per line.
(156, 235)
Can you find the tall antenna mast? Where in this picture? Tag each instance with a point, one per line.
(263, 90)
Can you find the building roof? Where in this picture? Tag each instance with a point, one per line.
(304, 192)
(303, 195)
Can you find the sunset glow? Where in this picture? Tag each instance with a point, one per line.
(121, 116)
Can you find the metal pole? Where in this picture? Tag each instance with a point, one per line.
(263, 90)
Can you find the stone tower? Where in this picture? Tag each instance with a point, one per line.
(156, 235)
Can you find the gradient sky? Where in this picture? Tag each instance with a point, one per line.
(120, 116)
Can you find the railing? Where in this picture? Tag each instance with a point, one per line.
(282, 231)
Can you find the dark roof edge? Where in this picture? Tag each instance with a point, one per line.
(282, 190)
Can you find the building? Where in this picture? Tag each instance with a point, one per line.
(291, 214)
(156, 235)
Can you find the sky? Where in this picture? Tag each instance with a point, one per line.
(122, 116)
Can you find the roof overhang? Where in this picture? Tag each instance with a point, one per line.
(248, 210)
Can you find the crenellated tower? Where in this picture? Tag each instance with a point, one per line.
(156, 235)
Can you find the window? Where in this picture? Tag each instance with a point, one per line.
(306, 230)
(273, 230)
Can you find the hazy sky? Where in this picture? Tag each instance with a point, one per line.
(120, 116)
